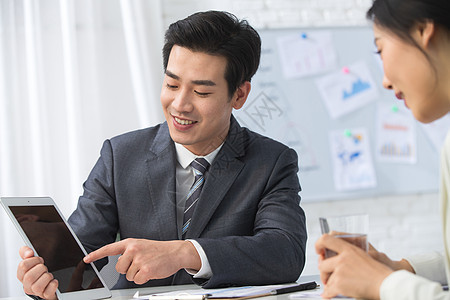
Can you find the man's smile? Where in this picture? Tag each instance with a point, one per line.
(183, 122)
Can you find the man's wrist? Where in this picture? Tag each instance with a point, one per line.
(205, 271)
(190, 257)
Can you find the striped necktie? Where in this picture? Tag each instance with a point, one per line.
(200, 165)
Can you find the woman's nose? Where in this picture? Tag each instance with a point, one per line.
(386, 83)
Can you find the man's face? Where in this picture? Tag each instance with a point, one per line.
(195, 99)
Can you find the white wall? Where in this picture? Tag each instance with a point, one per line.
(70, 77)
(399, 225)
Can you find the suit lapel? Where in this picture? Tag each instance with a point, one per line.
(161, 181)
(219, 178)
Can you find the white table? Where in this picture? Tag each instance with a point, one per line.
(127, 294)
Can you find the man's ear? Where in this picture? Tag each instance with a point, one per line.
(241, 95)
(425, 32)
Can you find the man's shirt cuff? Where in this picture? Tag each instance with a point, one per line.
(205, 271)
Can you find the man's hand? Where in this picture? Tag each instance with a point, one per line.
(143, 260)
(34, 275)
(352, 272)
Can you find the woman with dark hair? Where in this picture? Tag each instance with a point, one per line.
(413, 40)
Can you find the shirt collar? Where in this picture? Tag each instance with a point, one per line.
(185, 157)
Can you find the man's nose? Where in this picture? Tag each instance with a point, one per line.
(182, 101)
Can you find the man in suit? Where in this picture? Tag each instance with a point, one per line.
(245, 228)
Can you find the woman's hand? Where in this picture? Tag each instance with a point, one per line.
(393, 264)
(352, 272)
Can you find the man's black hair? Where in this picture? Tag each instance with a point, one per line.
(218, 33)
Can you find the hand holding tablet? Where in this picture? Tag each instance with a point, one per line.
(60, 267)
(34, 275)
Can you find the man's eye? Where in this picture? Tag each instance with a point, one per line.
(202, 94)
(171, 86)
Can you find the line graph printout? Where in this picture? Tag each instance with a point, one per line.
(344, 92)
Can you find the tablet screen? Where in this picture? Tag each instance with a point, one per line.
(54, 242)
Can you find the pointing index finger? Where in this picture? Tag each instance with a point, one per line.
(108, 250)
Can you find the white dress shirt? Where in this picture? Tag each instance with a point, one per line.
(184, 179)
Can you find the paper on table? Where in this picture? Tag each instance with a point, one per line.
(169, 297)
(314, 294)
(306, 295)
(233, 292)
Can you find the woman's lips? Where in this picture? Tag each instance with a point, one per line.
(400, 96)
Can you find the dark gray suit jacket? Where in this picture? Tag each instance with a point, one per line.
(248, 219)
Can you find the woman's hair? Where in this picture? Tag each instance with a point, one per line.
(399, 16)
(218, 33)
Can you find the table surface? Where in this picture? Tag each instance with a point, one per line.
(126, 294)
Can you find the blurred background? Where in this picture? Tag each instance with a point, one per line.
(76, 72)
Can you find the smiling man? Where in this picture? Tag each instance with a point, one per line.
(197, 198)
(196, 101)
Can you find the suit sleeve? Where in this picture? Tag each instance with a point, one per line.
(95, 219)
(275, 253)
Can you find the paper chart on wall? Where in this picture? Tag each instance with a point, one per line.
(352, 163)
(396, 140)
(270, 113)
(348, 89)
(305, 54)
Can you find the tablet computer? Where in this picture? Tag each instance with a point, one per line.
(45, 230)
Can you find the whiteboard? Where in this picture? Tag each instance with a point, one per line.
(291, 109)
